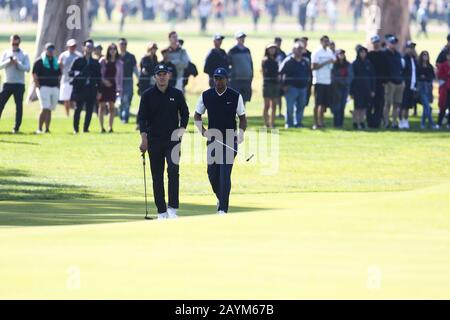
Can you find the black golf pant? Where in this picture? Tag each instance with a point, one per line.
(87, 99)
(17, 90)
(375, 111)
(219, 174)
(159, 153)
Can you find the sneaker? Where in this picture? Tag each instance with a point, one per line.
(171, 213)
(401, 124)
(47, 130)
(221, 212)
(406, 124)
(103, 131)
(14, 131)
(163, 216)
(39, 131)
(314, 127)
(75, 132)
(423, 127)
(110, 131)
(448, 126)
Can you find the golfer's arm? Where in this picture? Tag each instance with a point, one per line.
(198, 121)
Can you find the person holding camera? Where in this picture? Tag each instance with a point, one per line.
(15, 62)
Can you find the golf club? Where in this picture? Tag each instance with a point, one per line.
(248, 159)
(145, 188)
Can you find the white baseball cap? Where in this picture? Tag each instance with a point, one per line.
(71, 43)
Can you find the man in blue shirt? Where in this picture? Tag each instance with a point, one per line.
(223, 104)
(295, 78)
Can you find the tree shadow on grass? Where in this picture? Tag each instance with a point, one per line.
(16, 185)
(89, 211)
(30, 203)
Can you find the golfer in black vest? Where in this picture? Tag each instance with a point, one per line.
(163, 116)
(223, 104)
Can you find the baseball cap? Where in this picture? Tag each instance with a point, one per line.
(49, 46)
(339, 51)
(271, 45)
(98, 47)
(277, 39)
(220, 72)
(161, 68)
(88, 43)
(410, 44)
(392, 39)
(71, 43)
(218, 36)
(239, 34)
(375, 39)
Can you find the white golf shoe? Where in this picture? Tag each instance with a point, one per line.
(171, 213)
(163, 216)
(221, 212)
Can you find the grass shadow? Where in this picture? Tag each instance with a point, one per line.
(89, 211)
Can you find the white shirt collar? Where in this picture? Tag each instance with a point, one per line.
(220, 94)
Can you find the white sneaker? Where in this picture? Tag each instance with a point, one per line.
(406, 124)
(39, 131)
(221, 212)
(163, 216)
(171, 213)
(401, 124)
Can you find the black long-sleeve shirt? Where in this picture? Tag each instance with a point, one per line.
(162, 113)
(217, 58)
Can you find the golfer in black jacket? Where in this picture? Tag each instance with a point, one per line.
(223, 104)
(163, 116)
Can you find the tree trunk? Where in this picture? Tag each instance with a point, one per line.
(388, 17)
(59, 21)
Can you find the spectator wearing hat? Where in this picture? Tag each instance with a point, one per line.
(65, 61)
(271, 85)
(340, 80)
(15, 62)
(179, 58)
(147, 67)
(393, 89)
(280, 56)
(425, 77)
(223, 105)
(216, 58)
(171, 69)
(46, 76)
(322, 63)
(111, 86)
(362, 88)
(442, 57)
(86, 73)
(162, 119)
(294, 73)
(410, 78)
(241, 62)
(443, 75)
(378, 59)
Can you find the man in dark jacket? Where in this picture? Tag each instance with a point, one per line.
(163, 116)
(86, 80)
(241, 67)
(216, 58)
(378, 60)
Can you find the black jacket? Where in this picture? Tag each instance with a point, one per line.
(408, 69)
(162, 113)
(85, 74)
(216, 59)
(363, 81)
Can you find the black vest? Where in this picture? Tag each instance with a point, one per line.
(221, 109)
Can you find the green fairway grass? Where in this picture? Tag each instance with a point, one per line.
(346, 215)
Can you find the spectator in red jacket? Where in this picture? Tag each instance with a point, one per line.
(443, 75)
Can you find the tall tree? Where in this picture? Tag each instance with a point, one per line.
(59, 21)
(388, 17)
